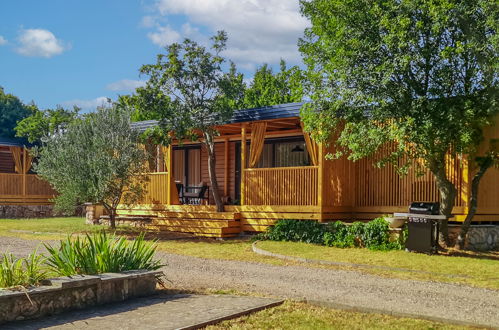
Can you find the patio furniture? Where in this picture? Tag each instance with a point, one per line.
(196, 195)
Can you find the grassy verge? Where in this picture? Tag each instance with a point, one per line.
(477, 269)
(294, 315)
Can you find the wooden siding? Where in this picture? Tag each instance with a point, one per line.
(156, 187)
(6, 162)
(220, 168)
(281, 186)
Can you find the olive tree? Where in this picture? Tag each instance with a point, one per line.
(96, 159)
(421, 73)
(190, 92)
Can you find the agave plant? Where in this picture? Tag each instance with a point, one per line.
(100, 253)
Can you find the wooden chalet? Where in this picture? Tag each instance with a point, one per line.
(268, 168)
(19, 185)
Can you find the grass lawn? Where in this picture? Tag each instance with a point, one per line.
(477, 269)
(294, 315)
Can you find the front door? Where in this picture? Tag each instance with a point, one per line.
(187, 165)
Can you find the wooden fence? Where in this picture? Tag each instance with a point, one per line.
(281, 186)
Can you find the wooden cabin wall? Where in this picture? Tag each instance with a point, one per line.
(488, 193)
(220, 168)
(6, 161)
(338, 180)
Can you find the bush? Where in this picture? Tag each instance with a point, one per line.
(373, 235)
(296, 231)
(21, 271)
(99, 253)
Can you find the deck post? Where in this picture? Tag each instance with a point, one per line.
(226, 164)
(24, 171)
(243, 160)
(169, 167)
(320, 182)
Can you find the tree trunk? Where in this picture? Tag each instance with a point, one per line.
(484, 166)
(112, 215)
(210, 145)
(447, 192)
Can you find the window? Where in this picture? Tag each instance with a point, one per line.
(285, 152)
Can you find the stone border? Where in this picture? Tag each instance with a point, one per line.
(67, 293)
(260, 251)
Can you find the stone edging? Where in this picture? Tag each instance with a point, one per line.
(68, 293)
(260, 251)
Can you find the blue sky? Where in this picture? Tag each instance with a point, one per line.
(80, 52)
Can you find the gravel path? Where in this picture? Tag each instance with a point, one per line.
(336, 287)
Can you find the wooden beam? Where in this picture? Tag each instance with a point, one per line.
(24, 171)
(169, 161)
(243, 160)
(226, 164)
(320, 181)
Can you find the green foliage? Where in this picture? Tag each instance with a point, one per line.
(422, 74)
(373, 235)
(21, 271)
(12, 110)
(99, 253)
(269, 88)
(43, 123)
(98, 159)
(296, 231)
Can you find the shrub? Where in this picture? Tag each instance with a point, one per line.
(21, 271)
(296, 231)
(99, 253)
(373, 235)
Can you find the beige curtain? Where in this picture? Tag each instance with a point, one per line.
(173, 186)
(312, 147)
(16, 154)
(257, 141)
(29, 161)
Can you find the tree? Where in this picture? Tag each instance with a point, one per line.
(420, 73)
(268, 88)
(43, 123)
(190, 93)
(96, 159)
(12, 110)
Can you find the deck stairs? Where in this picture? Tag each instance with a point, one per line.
(201, 223)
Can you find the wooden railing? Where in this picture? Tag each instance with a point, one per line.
(281, 186)
(19, 188)
(156, 188)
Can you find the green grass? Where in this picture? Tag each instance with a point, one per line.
(294, 315)
(471, 269)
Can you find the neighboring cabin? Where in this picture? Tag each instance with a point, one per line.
(269, 169)
(22, 193)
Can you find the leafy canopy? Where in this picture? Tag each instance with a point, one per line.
(97, 159)
(269, 88)
(422, 73)
(43, 123)
(12, 110)
(188, 89)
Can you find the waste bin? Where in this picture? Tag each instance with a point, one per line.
(423, 226)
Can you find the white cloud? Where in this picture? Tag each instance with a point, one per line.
(148, 21)
(3, 41)
(40, 43)
(87, 104)
(259, 30)
(125, 85)
(164, 35)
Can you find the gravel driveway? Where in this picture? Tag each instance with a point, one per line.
(335, 287)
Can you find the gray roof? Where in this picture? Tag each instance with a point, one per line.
(286, 110)
(14, 142)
